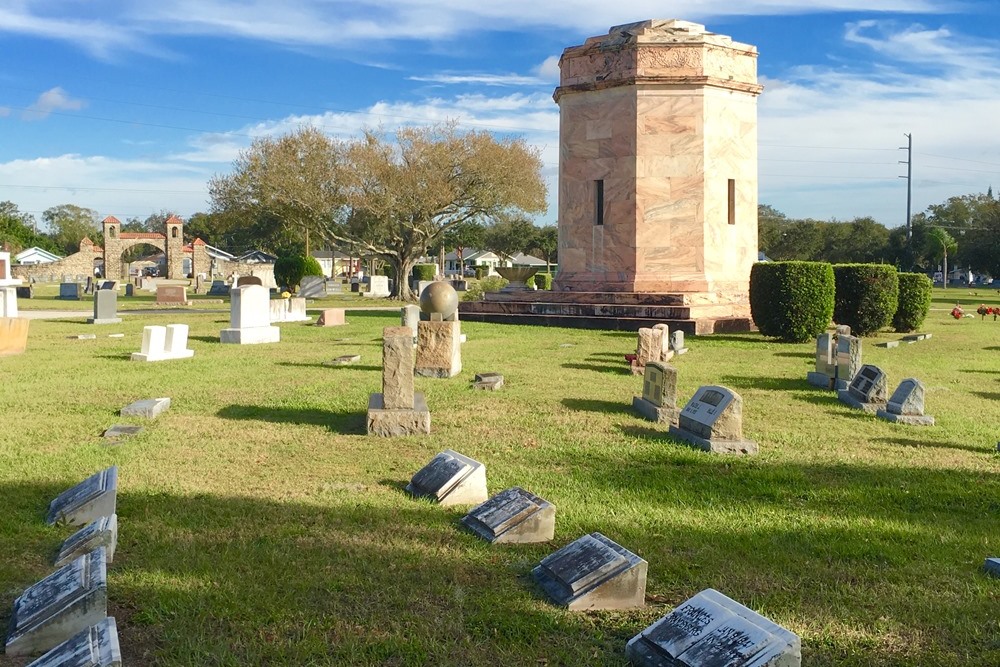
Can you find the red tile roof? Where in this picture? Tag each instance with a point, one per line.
(112, 220)
(174, 219)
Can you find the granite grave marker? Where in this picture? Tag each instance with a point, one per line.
(451, 479)
(88, 501)
(658, 402)
(593, 572)
(250, 317)
(867, 391)
(513, 516)
(96, 646)
(906, 405)
(105, 307)
(102, 532)
(713, 421)
(397, 410)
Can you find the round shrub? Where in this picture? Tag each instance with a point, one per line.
(791, 301)
(914, 302)
(424, 271)
(867, 296)
(289, 271)
(478, 288)
(542, 280)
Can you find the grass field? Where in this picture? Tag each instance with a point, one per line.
(259, 525)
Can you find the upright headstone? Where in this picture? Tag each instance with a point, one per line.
(409, 316)
(713, 421)
(129, 289)
(25, 292)
(96, 646)
(439, 350)
(825, 374)
(513, 516)
(397, 410)
(378, 287)
(69, 600)
(658, 402)
(712, 630)
(313, 287)
(8, 301)
(848, 358)
(666, 352)
(9, 288)
(867, 391)
(171, 295)
(105, 307)
(13, 335)
(677, 342)
(248, 280)
(89, 287)
(164, 343)
(250, 317)
(593, 572)
(102, 532)
(91, 499)
(906, 405)
(331, 317)
(649, 347)
(69, 291)
(450, 479)
(218, 288)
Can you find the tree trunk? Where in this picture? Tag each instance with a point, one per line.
(403, 267)
(944, 283)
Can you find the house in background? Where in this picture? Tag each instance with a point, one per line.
(471, 258)
(35, 255)
(335, 263)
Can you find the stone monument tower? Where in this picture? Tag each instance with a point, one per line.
(657, 183)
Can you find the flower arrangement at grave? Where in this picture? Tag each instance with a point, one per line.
(985, 310)
(957, 312)
(286, 295)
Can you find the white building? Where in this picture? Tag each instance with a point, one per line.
(35, 255)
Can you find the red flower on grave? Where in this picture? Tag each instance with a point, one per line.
(957, 312)
(984, 311)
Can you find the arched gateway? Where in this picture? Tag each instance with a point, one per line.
(171, 242)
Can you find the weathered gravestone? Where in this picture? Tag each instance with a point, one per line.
(513, 516)
(658, 402)
(249, 280)
(713, 421)
(712, 630)
(218, 288)
(649, 347)
(164, 343)
(593, 573)
(105, 307)
(378, 286)
(250, 317)
(69, 600)
(96, 646)
(8, 301)
(450, 479)
(487, 381)
(25, 292)
(331, 317)
(343, 360)
(439, 344)
(848, 358)
(312, 287)
(398, 410)
(88, 501)
(149, 408)
(677, 342)
(867, 390)
(409, 316)
(171, 295)
(121, 431)
(825, 375)
(70, 291)
(102, 532)
(906, 405)
(666, 352)
(13, 335)
(292, 309)
(992, 567)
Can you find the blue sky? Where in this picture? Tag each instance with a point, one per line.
(130, 107)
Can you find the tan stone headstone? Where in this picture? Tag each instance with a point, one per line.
(439, 351)
(397, 368)
(13, 335)
(331, 317)
(171, 294)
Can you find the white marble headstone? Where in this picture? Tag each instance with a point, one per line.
(96, 646)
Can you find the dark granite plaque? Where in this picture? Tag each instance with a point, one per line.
(513, 515)
(96, 646)
(439, 476)
(711, 630)
(593, 573)
(100, 533)
(92, 498)
(69, 600)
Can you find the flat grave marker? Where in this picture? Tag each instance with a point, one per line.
(96, 646)
(593, 573)
(121, 431)
(332, 317)
(513, 516)
(102, 532)
(344, 360)
(88, 501)
(451, 479)
(147, 408)
(487, 381)
(171, 295)
(992, 567)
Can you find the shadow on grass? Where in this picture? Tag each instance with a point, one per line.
(795, 355)
(618, 370)
(206, 339)
(777, 384)
(347, 423)
(596, 405)
(610, 355)
(980, 370)
(317, 364)
(922, 444)
(988, 395)
(645, 432)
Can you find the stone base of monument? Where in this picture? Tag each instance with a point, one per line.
(654, 412)
(513, 516)
(66, 602)
(715, 445)
(821, 380)
(13, 335)
(712, 629)
(96, 646)
(398, 421)
(439, 352)
(844, 396)
(694, 313)
(250, 335)
(910, 420)
(104, 320)
(593, 573)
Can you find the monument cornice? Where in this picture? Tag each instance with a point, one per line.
(703, 81)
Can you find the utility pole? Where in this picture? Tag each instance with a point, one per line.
(909, 193)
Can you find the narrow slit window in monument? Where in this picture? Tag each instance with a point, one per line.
(598, 202)
(732, 201)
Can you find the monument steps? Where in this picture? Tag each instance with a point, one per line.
(692, 327)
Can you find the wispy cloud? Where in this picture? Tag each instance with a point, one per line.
(480, 79)
(54, 99)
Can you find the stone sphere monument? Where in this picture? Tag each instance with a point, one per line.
(439, 298)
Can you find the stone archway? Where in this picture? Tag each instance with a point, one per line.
(170, 241)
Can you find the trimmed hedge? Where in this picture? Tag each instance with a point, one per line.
(542, 280)
(424, 271)
(914, 302)
(867, 296)
(289, 271)
(791, 301)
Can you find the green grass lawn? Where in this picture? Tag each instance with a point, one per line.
(259, 525)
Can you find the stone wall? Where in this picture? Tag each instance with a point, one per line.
(78, 264)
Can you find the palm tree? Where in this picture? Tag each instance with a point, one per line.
(939, 244)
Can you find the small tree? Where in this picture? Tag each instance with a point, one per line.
(914, 302)
(791, 301)
(508, 236)
(546, 243)
(939, 244)
(867, 296)
(289, 271)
